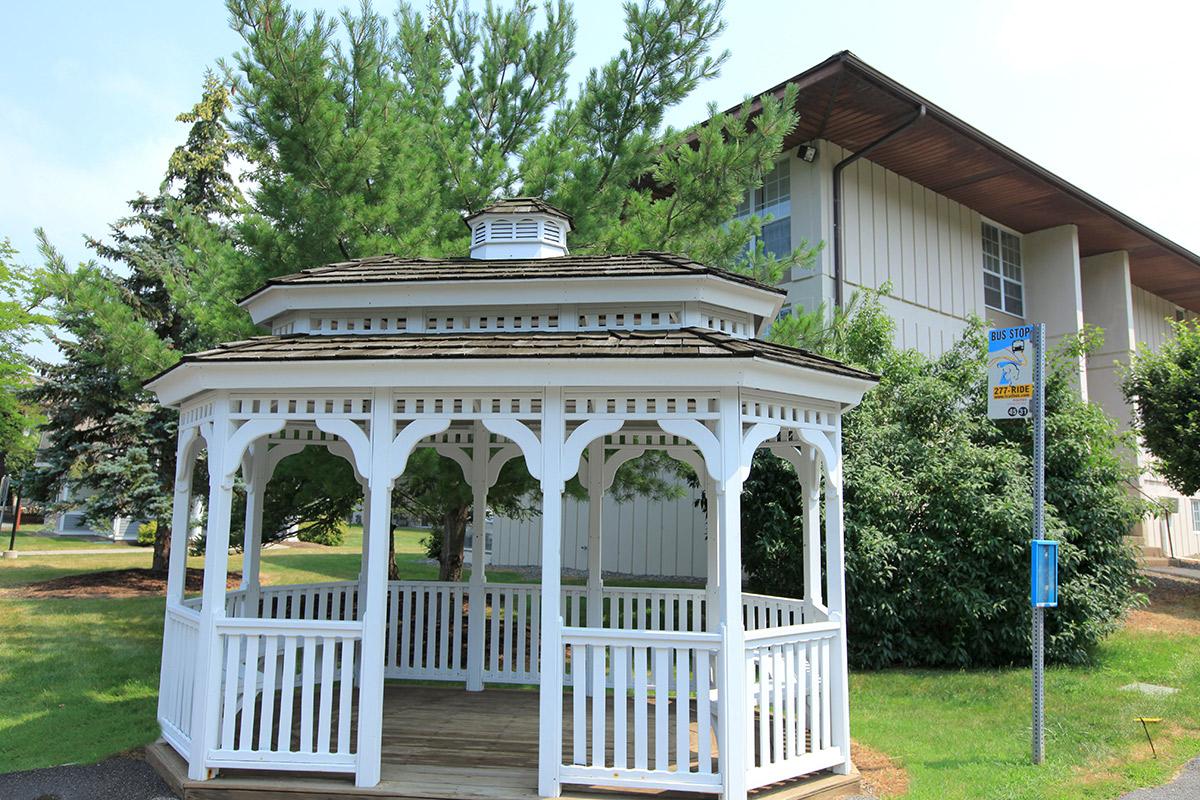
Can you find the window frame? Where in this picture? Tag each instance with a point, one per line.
(755, 201)
(1195, 515)
(1001, 274)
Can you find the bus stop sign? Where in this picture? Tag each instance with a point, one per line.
(1010, 372)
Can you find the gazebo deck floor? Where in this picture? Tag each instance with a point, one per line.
(443, 743)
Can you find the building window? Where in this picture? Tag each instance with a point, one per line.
(1003, 280)
(1196, 516)
(774, 199)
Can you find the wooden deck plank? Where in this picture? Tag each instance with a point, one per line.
(443, 743)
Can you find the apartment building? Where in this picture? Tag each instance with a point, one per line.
(903, 193)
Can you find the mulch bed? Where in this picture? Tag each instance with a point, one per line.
(882, 775)
(112, 583)
(1174, 606)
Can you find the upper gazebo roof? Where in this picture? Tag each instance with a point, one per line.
(398, 269)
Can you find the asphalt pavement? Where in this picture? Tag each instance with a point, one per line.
(1185, 786)
(119, 778)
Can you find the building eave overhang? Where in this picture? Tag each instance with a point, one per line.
(850, 103)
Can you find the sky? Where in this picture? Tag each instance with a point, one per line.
(1101, 94)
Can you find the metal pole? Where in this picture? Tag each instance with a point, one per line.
(1039, 532)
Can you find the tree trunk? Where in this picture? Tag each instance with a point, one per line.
(393, 569)
(162, 535)
(454, 536)
(162, 547)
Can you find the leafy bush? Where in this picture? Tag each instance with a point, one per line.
(147, 533)
(1164, 389)
(938, 512)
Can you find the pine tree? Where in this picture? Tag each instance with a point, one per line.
(119, 325)
(367, 137)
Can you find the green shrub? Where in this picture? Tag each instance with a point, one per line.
(938, 513)
(147, 532)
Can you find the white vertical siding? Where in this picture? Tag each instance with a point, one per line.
(927, 246)
(1150, 319)
(641, 537)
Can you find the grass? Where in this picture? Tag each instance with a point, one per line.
(79, 679)
(967, 734)
(37, 540)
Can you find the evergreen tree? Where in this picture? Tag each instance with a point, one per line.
(18, 324)
(118, 326)
(369, 137)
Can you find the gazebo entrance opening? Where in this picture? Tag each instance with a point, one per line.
(708, 690)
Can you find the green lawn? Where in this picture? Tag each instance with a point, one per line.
(36, 540)
(79, 679)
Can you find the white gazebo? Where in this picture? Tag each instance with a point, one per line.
(575, 364)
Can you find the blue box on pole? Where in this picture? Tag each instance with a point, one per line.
(1044, 572)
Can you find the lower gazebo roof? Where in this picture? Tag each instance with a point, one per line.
(676, 343)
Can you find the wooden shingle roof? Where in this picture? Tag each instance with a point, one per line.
(677, 343)
(399, 269)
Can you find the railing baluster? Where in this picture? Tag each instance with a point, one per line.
(662, 706)
(307, 681)
(287, 691)
(325, 720)
(683, 707)
(346, 696)
(270, 657)
(599, 699)
(703, 713)
(620, 658)
(229, 710)
(640, 704)
(579, 656)
(249, 694)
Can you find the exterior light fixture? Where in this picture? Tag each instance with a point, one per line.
(806, 153)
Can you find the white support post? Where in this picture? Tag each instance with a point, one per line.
(550, 698)
(835, 575)
(180, 519)
(734, 718)
(216, 565)
(713, 568)
(476, 611)
(810, 488)
(372, 606)
(595, 562)
(256, 487)
(177, 560)
(366, 543)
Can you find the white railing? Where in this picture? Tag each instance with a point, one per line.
(322, 602)
(269, 667)
(641, 735)
(178, 676)
(512, 633)
(426, 630)
(637, 609)
(789, 695)
(766, 611)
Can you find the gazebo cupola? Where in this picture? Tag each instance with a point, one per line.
(520, 227)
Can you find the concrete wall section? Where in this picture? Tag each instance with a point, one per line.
(1053, 292)
(1108, 304)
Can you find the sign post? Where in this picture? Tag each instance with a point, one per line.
(1017, 390)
